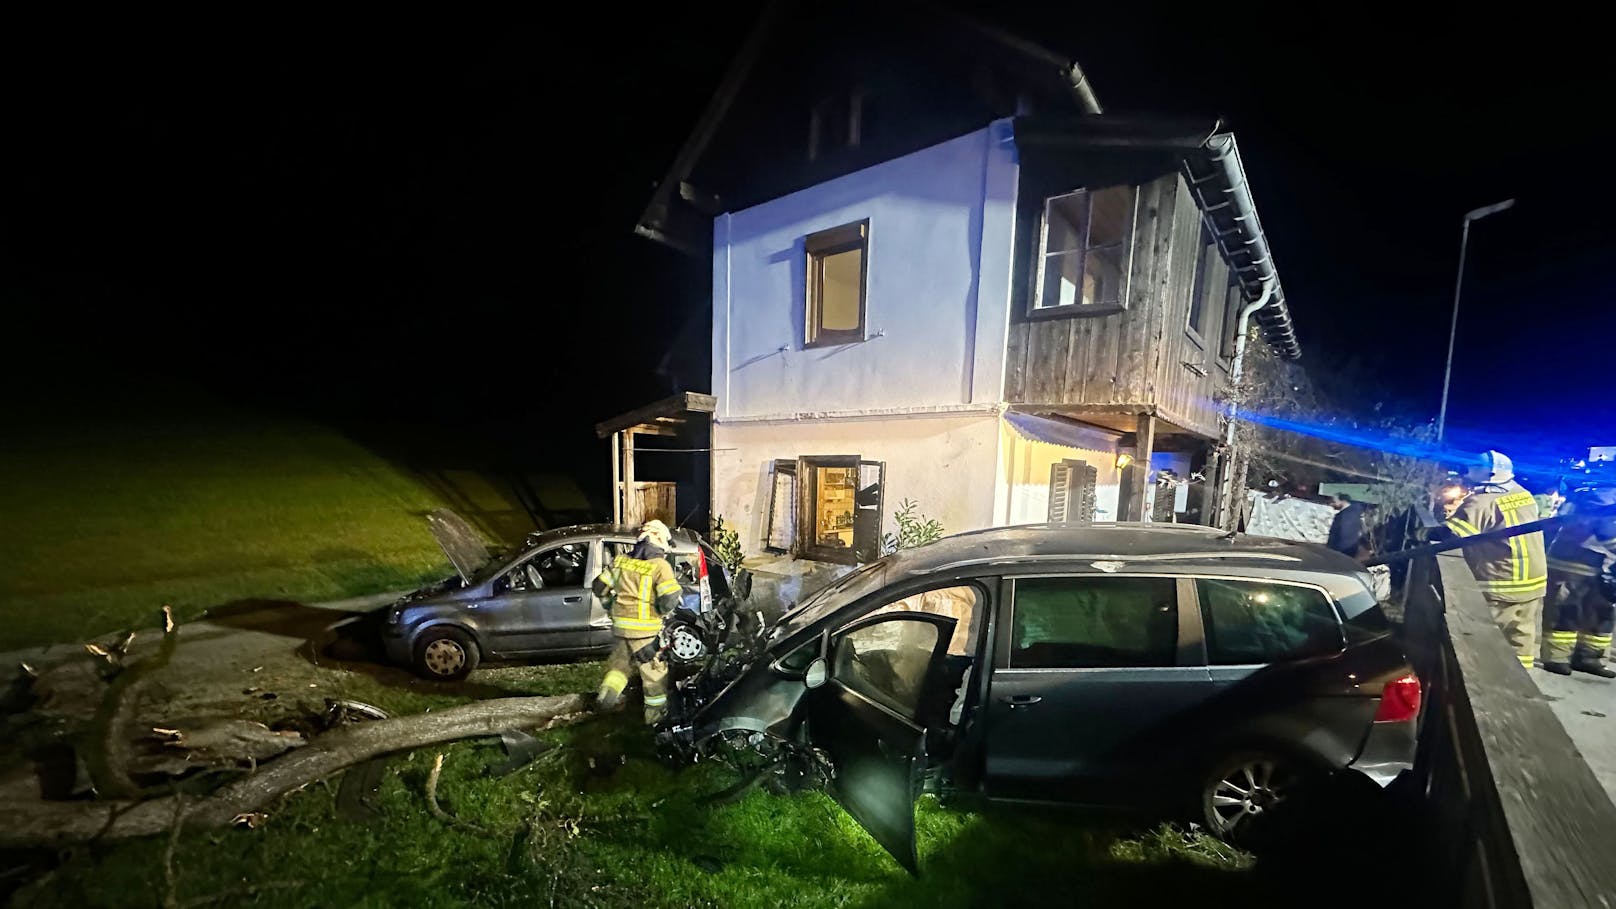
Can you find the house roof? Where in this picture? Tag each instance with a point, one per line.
(1208, 155)
(1036, 65)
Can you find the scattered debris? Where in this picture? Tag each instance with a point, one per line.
(1592, 713)
(521, 749)
(252, 820)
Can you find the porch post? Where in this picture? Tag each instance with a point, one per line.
(1136, 476)
(617, 477)
(631, 503)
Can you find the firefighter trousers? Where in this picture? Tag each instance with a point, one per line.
(621, 664)
(1520, 623)
(1582, 623)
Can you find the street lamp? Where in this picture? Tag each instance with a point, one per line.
(1458, 286)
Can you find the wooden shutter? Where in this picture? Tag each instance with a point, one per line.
(1084, 480)
(781, 532)
(1071, 492)
(871, 505)
(1060, 483)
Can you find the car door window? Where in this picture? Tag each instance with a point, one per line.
(1263, 622)
(561, 566)
(1093, 622)
(888, 662)
(962, 603)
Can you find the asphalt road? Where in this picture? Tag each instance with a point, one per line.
(1586, 705)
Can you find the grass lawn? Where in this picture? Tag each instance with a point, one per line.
(107, 519)
(598, 822)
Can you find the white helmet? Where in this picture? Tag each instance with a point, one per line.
(1493, 468)
(657, 533)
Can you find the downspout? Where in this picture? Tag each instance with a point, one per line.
(1082, 91)
(1236, 372)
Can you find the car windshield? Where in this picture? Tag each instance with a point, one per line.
(842, 591)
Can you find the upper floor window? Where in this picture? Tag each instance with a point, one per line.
(1087, 240)
(1234, 301)
(838, 266)
(836, 122)
(1211, 286)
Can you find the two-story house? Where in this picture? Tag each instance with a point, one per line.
(941, 273)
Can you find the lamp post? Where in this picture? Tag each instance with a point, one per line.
(1458, 287)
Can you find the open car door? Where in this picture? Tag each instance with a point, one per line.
(878, 690)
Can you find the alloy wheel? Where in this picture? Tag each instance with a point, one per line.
(1245, 792)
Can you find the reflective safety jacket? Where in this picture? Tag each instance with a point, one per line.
(640, 591)
(1585, 545)
(1511, 570)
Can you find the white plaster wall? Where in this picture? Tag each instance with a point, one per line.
(1024, 471)
(946, 464)
(937, 304)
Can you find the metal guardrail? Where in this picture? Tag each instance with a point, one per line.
(1516, 816)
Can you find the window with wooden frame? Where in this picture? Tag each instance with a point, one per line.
(1234, 300)
(780, 534)
(1085, 249)
(839, 507)
(838, 273)
(1208, 291)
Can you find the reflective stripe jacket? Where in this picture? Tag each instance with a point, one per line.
(641, 592)
(1511, 570)
(1585, 545)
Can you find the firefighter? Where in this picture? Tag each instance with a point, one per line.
(640, 588)
(1581, 559)
(1512, 572)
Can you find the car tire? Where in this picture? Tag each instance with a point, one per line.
(445, 654)
(1250, 796)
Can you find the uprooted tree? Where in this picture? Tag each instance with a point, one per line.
(245, 767)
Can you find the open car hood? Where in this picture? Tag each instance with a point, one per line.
(460, 542)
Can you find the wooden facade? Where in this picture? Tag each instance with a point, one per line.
(1141, 359)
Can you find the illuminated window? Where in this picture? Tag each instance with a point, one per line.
(1087, 239)
(838, 267)
(837, 513)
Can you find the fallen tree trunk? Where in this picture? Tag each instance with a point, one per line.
(45, 822)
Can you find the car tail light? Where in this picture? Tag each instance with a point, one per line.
(1400, 701)
(701, 562)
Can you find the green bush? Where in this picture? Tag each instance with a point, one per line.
(914, 528)
(727, 543)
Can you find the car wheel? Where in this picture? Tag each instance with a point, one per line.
(1248, 793)
(445, 654)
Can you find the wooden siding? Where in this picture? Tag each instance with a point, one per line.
(1135, 357)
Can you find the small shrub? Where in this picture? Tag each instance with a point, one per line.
(727, 543)
(914, 528)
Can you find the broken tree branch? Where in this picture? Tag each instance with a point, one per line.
(107, 757)
(432, 799)
(43, 822)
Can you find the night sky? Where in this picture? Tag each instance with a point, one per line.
(430, 239)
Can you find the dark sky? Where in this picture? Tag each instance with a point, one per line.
(430, 238)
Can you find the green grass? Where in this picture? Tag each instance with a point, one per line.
(109, 518)
(598, 822)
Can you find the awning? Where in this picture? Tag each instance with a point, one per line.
(662, 417)
(1061, 431)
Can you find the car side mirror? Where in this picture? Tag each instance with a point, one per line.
(817, 674)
